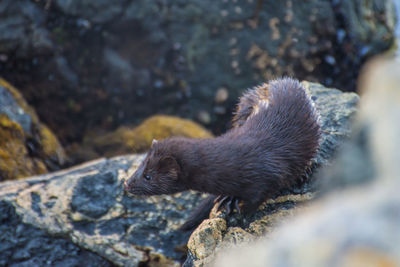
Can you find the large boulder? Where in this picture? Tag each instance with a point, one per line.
(112, 63)
(86, 209)
(27, 147)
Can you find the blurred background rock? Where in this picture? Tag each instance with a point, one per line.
(93, 66)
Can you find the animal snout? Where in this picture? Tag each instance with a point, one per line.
(126, 185)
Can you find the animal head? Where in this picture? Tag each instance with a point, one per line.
(157, 174)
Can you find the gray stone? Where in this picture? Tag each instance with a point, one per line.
(23, 244)
(97, 11)
(87, 206)
(94, 195)
(22, 29)
(65, 70)
(337, 111)
(364, 18)
(13, 110)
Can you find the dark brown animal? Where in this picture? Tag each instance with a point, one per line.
(275, 135)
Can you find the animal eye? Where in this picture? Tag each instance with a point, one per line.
(147, 177)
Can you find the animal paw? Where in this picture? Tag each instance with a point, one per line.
(229, 202)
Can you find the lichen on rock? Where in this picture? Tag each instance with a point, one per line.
(27, 147)
(206, 237)
(137, 140)
(15, 161)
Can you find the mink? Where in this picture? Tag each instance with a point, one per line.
(274, 136)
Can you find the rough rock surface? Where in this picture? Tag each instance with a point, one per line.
(86, 208)
(27, 147)
(22, 244)
(220, 232)
(102, 64)
(22, 29)
(358, 224)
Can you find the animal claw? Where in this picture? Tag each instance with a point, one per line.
(229, 202)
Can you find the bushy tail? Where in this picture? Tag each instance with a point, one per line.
(199, 214)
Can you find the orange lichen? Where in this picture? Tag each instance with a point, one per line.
(50, 145)
(128, 140)
(15, 161)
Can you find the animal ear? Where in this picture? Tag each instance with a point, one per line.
(169, 166)
(154, 142)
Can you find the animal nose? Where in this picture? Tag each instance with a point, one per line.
(126, 185)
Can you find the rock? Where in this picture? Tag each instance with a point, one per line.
(27, 147)
(136, 140)
(221, 95)
(83, 215)
(123, 69)
(341, 230)
(96, 11)
(22, 244)
(206, 237)
(357, 224)
(22, 29)
(336, 110)
(369, 155)
(364, 18)
(203, 117)
(171, 57)
(380, 112)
